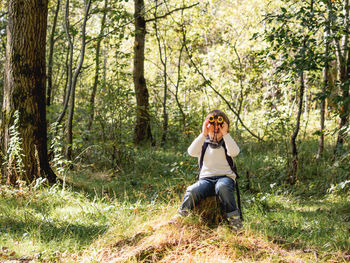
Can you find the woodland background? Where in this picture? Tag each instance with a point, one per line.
(93, 142)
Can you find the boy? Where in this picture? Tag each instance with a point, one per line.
(216, 176)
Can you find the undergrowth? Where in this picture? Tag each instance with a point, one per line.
(123, 214)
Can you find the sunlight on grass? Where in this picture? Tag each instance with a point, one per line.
(101, 216)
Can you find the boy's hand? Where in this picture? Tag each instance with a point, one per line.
(224, 129)
(205, 128)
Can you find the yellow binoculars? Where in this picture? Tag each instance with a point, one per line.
(219, 118)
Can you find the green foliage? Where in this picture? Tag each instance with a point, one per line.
(278, 124)
(59, 163)
(239, 54)
(14, 156)
(293, 34)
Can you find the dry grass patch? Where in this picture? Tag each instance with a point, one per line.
(182, 241)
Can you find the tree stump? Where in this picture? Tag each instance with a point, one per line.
(210, 211)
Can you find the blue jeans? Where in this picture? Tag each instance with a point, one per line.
(222, 186)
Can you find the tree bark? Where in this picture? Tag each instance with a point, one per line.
(25, 89)
(97, 67)
(142, 131)
(51, 51)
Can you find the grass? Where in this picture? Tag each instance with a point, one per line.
(106, 216)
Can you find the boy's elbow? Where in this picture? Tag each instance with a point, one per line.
(191, 153)
(236, 152)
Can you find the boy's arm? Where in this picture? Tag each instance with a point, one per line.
(195, 148)
(231, 145)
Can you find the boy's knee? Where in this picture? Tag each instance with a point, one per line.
(193, 191)
(222, 188)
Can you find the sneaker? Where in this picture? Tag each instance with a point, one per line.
(176, 218)
(182, 213)
(235, 222)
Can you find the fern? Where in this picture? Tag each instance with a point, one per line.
(14, 156)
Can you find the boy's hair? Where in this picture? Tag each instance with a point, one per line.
(221, 113)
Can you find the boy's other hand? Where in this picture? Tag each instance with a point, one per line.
(224, 129)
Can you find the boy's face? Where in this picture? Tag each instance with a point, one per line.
(216, 122)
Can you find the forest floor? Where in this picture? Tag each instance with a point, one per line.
(194, 242)
(125, 214)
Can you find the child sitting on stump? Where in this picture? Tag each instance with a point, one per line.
(214, 148)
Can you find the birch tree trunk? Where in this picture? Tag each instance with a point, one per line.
(25, 90)
(68, 153)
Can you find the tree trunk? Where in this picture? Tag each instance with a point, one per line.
(69, 65)
(68, 153)
(295, 160)
(344, 110)
(210, 211)
(51, 50)
(183, 121)
(164, 63)
(325, 86)
(25, 89)
(343, 60)
(97, 67)
(165, 113)
(143, 128)
(240, 97)
(293, 173)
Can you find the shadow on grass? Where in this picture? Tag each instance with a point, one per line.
(321, 224)
(56, 232)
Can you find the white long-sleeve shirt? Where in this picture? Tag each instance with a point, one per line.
(214, 161)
